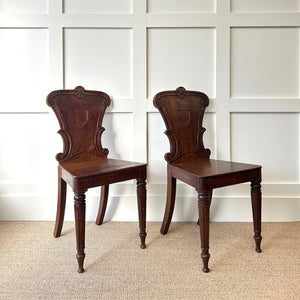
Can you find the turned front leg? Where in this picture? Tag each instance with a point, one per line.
(256, 210)
(204, 200)
(79, 209)
(141, 199)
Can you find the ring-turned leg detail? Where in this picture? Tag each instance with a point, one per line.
(79, 209)
(141, 199)
(256, 210)
(204, 201)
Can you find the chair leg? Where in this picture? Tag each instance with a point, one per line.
(141, 199)
(79, 210)
(256, 211)
(171, 193)
(61, 204)
(103, 204)
(204, 200)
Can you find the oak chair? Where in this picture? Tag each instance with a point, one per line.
(83, 164)
(189, 161)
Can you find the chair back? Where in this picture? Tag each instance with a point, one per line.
(183, 112)
(80, 113)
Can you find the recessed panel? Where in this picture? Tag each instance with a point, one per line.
(158, 144)
(181, 57)
(99, 59)
(181, 6)
(270, 140)
(29, 143)
(24, 69)
(265, 5)
(21, 6)
(97, 6)
(118, 135)
(264, 62)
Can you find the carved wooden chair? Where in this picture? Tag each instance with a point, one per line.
(83, 164)
(189, 161)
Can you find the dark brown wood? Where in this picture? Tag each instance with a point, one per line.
(204, 201)
(183, 112)
(79, 111)
(171, 194)
(103, 204)
(141, 197)
(79, 210)
(61, 204)
(189, 161)
(83, 164)
(256, 210)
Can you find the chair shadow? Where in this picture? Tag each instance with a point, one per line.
(67, 231)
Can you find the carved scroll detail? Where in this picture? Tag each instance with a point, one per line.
(175, 151)
(181, 92)
(98, 150)
(200, 146)
(69, 151)
(80, 92)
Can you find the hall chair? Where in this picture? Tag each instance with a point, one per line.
(189, 162)
(83, 164)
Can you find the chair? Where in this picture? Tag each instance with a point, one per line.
(189, 161)
(83, 164)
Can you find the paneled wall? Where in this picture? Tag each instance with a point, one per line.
(244, 54)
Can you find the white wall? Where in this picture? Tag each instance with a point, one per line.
(244, 54)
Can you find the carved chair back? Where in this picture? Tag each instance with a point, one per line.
(80, 113)
(183, 112)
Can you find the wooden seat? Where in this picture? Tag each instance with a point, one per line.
(83, 164)
(189, 161)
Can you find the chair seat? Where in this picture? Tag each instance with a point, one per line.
(100, 171)
(212, 167)
(216, 173)
(99, 166)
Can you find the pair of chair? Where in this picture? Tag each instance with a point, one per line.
(83, 164)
